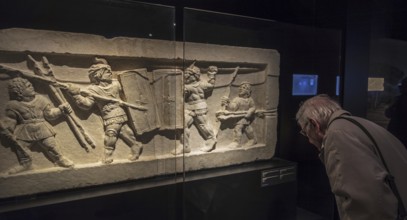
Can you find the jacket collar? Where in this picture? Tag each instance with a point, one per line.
(337, 114)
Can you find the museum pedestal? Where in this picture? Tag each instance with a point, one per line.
(259, 190)
(262, 190)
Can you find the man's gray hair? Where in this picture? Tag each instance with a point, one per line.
(319, 108)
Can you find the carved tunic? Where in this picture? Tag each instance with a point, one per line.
(30, 118)
(111, 112)
(243, 104)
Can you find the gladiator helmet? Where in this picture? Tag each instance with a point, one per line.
(193, 70)
(95, 72)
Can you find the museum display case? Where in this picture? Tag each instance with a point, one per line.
(89, 98)
(102, 101)
(247, 81)
(158, 112)
(236, 118)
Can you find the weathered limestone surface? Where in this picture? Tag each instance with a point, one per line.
(155, 67)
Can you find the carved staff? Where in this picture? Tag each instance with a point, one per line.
(120, 102)
(225, 115)
(73, 121)
(227, 94)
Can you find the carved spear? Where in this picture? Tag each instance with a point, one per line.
(227, 94)
(224, 115)
(108, 99)
(73, 121)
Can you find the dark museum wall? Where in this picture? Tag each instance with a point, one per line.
(327, 37)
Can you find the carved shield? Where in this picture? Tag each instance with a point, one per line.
(137, 89)
(168, 90)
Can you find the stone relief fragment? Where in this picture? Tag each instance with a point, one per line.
(26, 124)
(240, 113)
(104, 92)
(196, 108)
(79, 110)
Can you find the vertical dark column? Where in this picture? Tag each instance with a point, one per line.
(356, 68)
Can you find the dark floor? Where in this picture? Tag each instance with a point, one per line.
(303, 214)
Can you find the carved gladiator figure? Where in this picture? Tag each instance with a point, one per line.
(105, 93)
(242, 108)
(26, 124)
(196, 108)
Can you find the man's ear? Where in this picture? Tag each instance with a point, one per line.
(317, 126)
(314, 123)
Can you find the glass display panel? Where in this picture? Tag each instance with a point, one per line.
(228, 60)
(227, 42)
(87, 103)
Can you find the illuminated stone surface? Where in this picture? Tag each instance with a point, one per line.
(151, 75)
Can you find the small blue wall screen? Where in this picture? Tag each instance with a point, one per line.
(338, 83)
(305, 84)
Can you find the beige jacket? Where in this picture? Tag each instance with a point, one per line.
(356, 173)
